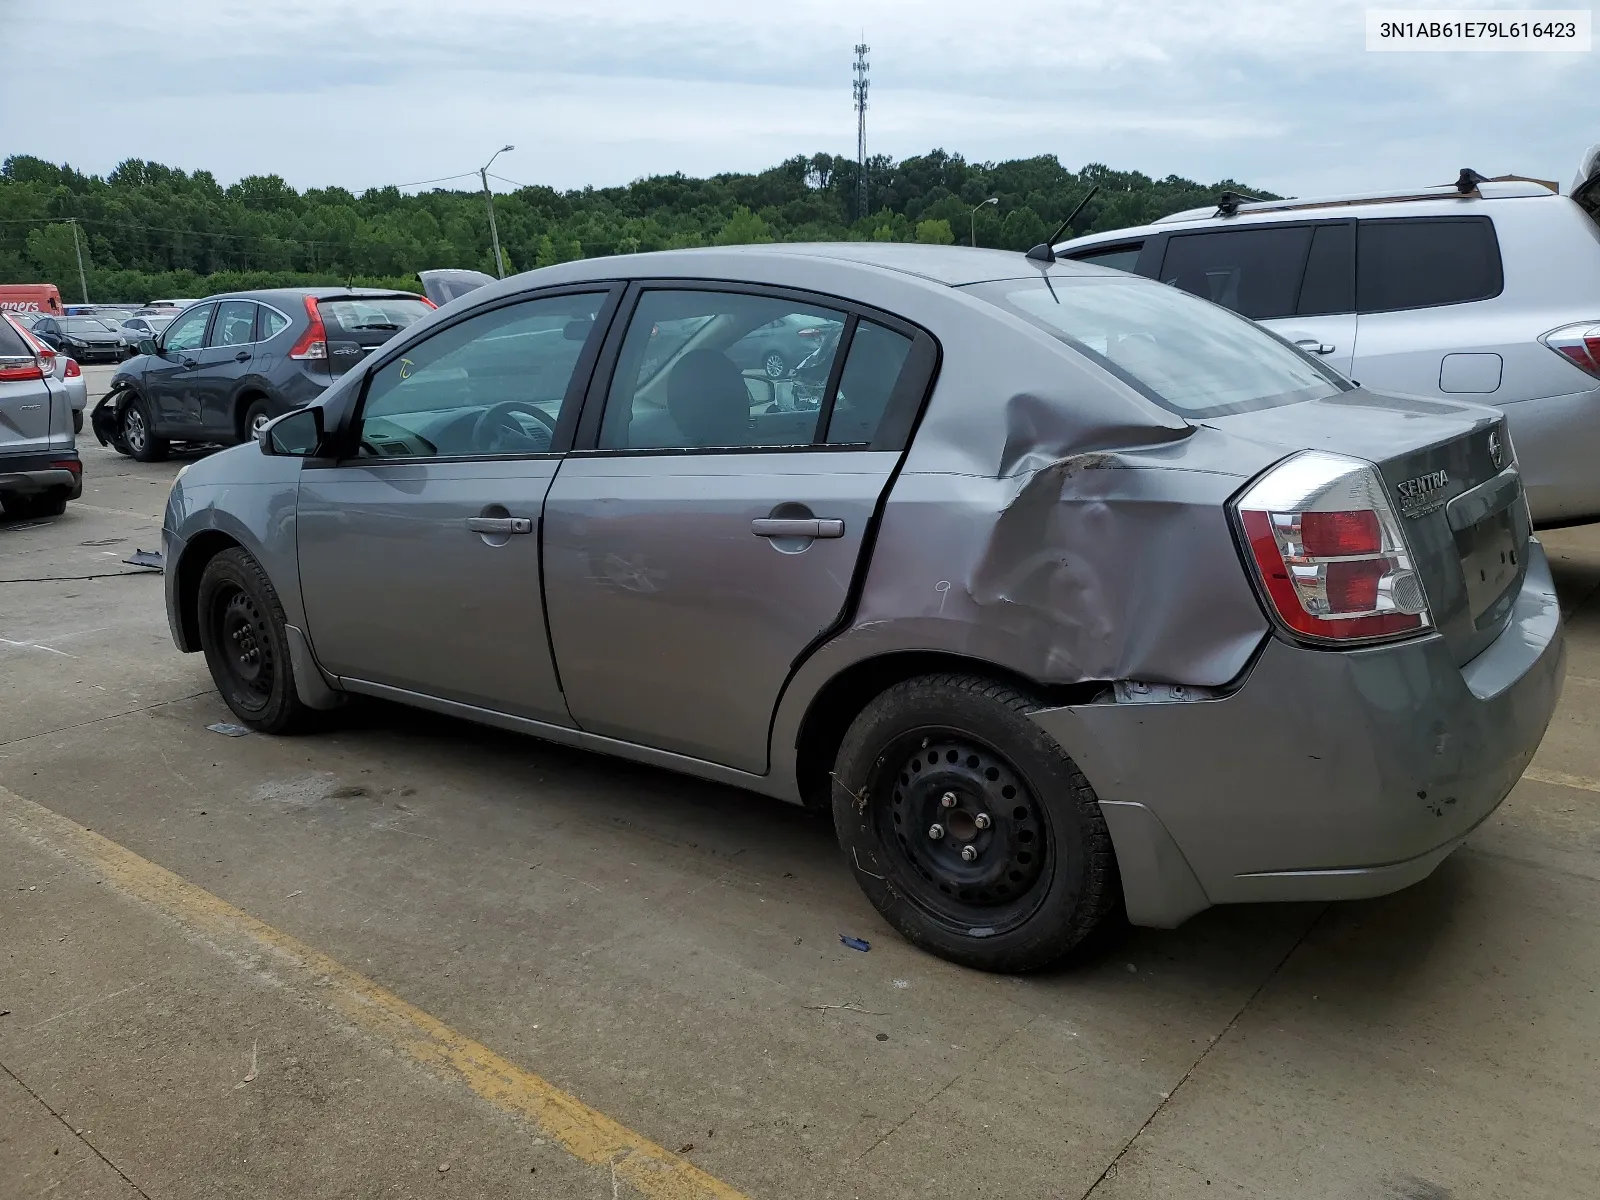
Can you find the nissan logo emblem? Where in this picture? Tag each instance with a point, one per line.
(1497, 450)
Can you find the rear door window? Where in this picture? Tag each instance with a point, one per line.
(235, 324)
(1121, 257)
(1255, 271)
(1330, 280)
(1422, 262)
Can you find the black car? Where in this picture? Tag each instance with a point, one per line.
(226, 366)
(83, 338)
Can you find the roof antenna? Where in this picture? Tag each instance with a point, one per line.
(1467, 182)
(1045, 252)
(1228, 203)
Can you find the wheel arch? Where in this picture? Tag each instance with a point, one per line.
(835, 705)
(199, 551)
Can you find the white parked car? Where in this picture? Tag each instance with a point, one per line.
(1485, 290)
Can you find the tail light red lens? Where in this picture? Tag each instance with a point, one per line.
(809, 332)
(68, 464)
(1579, 344)
(17, 370)
(1329, 552)
(313, 343)
(73, 369)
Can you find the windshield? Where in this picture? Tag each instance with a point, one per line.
(1189, 356)
(86, 325)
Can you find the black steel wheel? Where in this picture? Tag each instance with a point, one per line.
(970, 829)
(242, 634)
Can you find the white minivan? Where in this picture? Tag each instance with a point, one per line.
(1486, 290)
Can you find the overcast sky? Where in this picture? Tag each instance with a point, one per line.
(1277, 93)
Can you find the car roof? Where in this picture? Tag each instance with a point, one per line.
(955, 266)
(1430, 201)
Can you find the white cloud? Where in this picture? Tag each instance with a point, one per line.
(1278, 94)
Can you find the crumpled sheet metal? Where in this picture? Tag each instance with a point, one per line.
(1098, 566)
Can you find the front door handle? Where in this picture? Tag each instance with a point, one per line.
(500, 524)
(792, 527)
(242, 356)
(1314, 346)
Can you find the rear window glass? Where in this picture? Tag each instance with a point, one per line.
(1255, 272)
(371, 314)
(1425, 262)
(11, 343)
(1191, 358)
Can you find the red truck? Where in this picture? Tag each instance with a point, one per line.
(30, 298)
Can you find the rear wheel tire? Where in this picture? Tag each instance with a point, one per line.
(134, 430)
(970, 830)
(246, 647)
(255, 418)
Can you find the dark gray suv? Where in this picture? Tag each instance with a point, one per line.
(229, 364)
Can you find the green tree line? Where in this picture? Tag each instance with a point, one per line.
(147, 230)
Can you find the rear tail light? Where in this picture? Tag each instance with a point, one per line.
(68, 464)
(14, 370)
(1329, 552)
(313, 343)
(1579, 344)
(809, 332)
(73, 370)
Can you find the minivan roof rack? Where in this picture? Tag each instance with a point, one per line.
(1499, 188)
(1228, 203)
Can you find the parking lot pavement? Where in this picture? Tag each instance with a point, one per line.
(408, 956)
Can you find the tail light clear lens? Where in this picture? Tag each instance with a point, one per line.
(1329, 552)
(1579, 344)
(313, 343)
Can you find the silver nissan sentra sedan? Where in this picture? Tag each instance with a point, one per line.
(1073, 597)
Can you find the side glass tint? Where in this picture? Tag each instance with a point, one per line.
(1118, 258)
(493, 384)
(1330, 282)
(1255, 272)
(235, 324)
(1424, 262)
(871, 370)
(189, 330)
(269, 323)
(702, 369)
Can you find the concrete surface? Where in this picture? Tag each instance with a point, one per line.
(667, 951)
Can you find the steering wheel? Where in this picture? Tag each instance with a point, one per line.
(495, 424)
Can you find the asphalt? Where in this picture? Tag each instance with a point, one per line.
(392, 957)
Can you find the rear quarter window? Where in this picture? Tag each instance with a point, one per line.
(1424, 262)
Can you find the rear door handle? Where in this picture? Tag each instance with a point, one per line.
(500, 524)
(792, 527)
(1314, 346)
(242, 356)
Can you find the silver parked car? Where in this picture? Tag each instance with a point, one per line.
(1485, 290)
(1073, 596)
(39, 466)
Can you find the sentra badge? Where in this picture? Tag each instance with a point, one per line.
(1420, 496)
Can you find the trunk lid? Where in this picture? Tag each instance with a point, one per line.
(444, 284)
(1462, 510)
(25, 397)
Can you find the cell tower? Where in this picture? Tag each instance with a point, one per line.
(859, 89)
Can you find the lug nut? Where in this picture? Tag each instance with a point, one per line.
(948, 800)
(968, 853)
(936, 832)
(982, 821)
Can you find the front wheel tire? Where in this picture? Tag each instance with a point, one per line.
(246, 647)
(135, 432)
(970, 830)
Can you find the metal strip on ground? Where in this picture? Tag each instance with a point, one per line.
(584, 1132)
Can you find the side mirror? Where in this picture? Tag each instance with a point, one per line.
(293, 435)
(148, 346)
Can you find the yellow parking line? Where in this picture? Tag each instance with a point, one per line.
(1562, 779)
(587, 1134)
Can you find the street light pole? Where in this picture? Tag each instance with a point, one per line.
(972, 217)
(488, 200)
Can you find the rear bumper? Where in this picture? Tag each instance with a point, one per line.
(30, 474)
(1327, 774)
